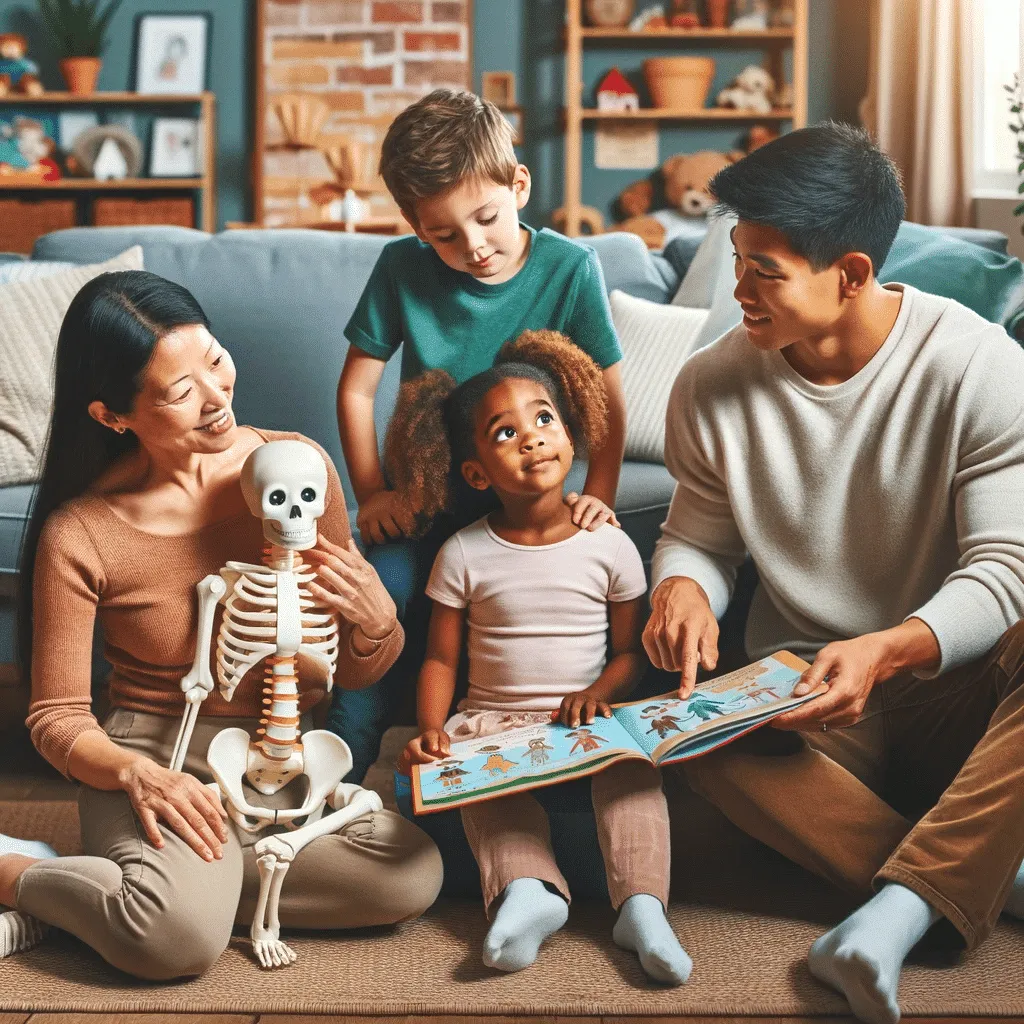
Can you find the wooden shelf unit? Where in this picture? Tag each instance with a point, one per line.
(204, 184)
(774, 41)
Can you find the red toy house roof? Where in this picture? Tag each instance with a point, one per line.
(615, 81)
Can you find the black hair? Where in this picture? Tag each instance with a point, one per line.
(105, 343)
(829, 189)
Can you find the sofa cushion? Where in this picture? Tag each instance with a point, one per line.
(279, 301)
(656, 339)
(31, 313)
(14, 506)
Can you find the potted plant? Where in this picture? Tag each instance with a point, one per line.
(79, 28)
(1016, 126)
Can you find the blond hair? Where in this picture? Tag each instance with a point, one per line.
(447, 137)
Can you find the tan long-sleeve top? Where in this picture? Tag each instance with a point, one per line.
(142, 587)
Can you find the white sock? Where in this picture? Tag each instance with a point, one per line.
(19, 932)
(26, 847)
(1015, 901)
(529, 913)
(862, 956)
(643, 929)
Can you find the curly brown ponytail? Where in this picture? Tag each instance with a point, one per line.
(579, 378)
(417, 452)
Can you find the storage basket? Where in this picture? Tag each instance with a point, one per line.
(22, 221)
(679, 83)
(121, 211)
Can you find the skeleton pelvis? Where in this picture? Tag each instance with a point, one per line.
(327, 760)
(267, 775)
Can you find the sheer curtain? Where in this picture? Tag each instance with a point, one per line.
(919, 102)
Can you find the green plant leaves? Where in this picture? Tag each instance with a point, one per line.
(79, 27)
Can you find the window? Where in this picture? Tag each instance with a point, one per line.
(998, 46)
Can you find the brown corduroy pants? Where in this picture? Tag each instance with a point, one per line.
(167, 913)
(925, 790)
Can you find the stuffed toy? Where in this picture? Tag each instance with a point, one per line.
(17, 72)
(752, 89)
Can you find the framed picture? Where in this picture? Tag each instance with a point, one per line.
(176, 149)
(172, 53)
(514, 116)
(499, 88)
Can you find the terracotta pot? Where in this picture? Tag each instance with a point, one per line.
(81, 74)
(718, 13)
(679, 83)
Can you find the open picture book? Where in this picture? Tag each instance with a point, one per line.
(662, 729)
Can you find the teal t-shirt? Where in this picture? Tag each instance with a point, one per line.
(450, 321)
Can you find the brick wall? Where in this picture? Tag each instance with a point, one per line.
(367, 59)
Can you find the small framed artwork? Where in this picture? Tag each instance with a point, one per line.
(514, 116)
(499, 88)
(176, 149)
(172, 53)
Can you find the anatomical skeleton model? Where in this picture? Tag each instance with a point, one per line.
(271, 615)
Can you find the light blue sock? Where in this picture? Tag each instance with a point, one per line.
(26, 847)
(529, 913)
(862, 957)
(1015, 901)
(643, 929)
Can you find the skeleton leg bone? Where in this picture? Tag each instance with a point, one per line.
(274, 855)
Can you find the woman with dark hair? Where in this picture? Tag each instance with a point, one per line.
(139, 500)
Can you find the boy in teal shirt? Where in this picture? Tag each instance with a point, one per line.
(470, 279)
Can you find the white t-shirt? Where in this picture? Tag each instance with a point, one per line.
(538, 615)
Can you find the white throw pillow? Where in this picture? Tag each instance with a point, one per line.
(28, 270)
(31, 313)
(656, 340)
(710, 281)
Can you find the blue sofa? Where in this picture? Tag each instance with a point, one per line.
(279, 301)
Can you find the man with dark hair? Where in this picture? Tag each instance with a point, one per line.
(864, 444)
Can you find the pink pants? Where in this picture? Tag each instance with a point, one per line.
(510, 836)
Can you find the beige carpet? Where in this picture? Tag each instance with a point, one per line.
(746, 916)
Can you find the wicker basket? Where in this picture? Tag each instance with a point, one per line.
(679, 83)
(124, 211)
(22, 221)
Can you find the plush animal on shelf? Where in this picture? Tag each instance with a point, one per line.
(751, 89)
(272, 617)
(685, 180)
(17, 72)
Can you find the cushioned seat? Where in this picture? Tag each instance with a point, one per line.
(14, 503)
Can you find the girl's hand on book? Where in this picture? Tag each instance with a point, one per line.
(580, 709)
(588, 512)
(431, 745)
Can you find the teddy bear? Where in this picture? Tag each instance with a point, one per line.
(17, 72)
(752, 89)
(684, 179)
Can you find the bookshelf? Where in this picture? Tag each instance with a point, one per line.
(202, 187)
(774, 42)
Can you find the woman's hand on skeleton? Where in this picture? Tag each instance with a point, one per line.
(581, 708)
(430, 745)
(588, 512)
(190, 809)
(351, 586)
(384, 516)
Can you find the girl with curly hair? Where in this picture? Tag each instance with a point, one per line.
(554, 616)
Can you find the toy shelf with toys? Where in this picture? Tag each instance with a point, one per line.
(714, 69)
(99, 179)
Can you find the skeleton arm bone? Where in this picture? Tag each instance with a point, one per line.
(197, 683)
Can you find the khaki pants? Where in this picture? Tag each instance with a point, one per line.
(510, 836)
(926, 789)
(167, 913)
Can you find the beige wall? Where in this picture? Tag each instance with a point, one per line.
(997, 214)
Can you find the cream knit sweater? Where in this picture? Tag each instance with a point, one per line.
(898, 493)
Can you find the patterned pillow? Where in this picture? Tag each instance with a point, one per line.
(31, 313)
(656, 339)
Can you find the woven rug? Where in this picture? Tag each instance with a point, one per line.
(746, 916)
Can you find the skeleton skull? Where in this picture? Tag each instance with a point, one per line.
(284, 484)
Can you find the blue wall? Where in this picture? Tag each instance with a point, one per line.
(524, 36)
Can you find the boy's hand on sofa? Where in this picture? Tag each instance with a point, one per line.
(383, 517)
(588, 512)
(430, 745)
(581, 708)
